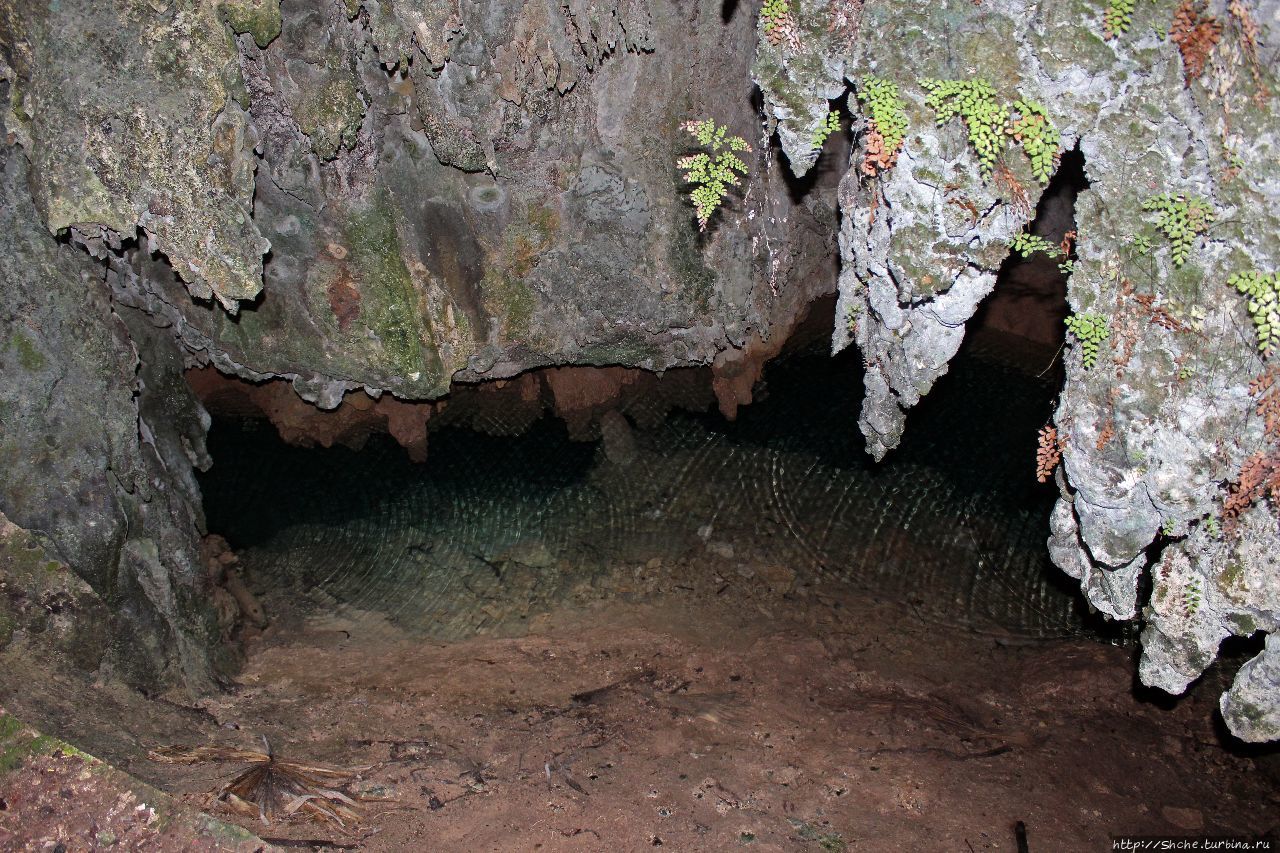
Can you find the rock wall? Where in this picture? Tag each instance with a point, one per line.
(1155, 432)
(444, 191)
(98, 442)
(372, 201)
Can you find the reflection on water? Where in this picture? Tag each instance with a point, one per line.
(492, 530)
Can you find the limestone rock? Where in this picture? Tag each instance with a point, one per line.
(1165, 419)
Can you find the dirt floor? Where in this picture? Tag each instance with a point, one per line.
(751, 720)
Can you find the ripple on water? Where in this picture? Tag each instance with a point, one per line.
(495, 529)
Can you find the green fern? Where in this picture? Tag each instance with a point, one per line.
(884, 106)
(713, 170)
(1118, 18)
(828, 127)
(1191, 597)
(777, 22)
(1263, 290)
(1026, 245)
(1182, 219)
(1038, 137)
(990, 123)
(1090, 330)
(973, 101)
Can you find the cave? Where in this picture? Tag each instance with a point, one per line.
(611, 537)
(616, 424)
(561, 504)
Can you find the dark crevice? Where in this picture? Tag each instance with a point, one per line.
(961, 483)
(1030, 296)
(832, 161)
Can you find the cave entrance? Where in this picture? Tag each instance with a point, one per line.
(516, 513)
(639, 624)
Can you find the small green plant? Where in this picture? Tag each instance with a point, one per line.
(828, 127)
(1118, 18)
(1191, 597)
(1026, 245)
(851, 315)
(975, 102)
(888, 115)
(1141, 244)
(778, 24)
(774, 11)
(1038, 136)
(1182, 219)
(1263, 290)
(714, 169)
(1212, 527)
(989, 123)
(1090, 330)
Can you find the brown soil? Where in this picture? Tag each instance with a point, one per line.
(762, 723)
(732, 713)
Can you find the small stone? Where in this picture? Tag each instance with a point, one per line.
(619, 440)
(1183, 818)
(779, 578)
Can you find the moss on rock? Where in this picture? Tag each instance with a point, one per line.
(392, 304)
(259, 18)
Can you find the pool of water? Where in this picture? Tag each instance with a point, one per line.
(493, 530)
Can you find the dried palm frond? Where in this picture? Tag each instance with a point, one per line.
(274, 788)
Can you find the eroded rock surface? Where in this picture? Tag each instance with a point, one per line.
(361, 196)
(1164, 420)
(451, 191)
(100, 436)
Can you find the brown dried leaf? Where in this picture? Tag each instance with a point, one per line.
(1049, 454)
(877, 159)
(273, 788)
(200, 754)
(1195, 34)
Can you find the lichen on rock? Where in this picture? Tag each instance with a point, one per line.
(259, 18)
(1156, 430)
(148, 133)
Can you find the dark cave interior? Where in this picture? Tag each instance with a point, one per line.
(497, 474)
(964, 476)
(422, 432)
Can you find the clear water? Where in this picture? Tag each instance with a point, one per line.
(492, 530)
